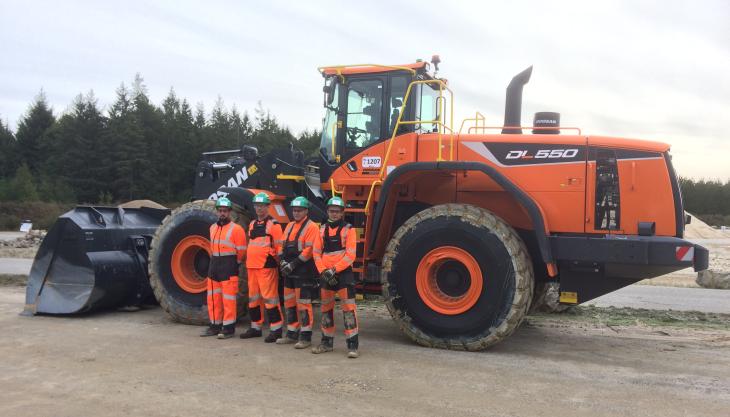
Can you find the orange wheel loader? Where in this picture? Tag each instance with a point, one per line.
(461, 230)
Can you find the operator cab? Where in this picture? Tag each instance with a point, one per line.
(362, 106)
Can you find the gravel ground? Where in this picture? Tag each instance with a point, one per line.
(131, 364)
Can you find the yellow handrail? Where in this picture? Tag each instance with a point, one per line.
(441, 129)
(476, 120)
(483, 128)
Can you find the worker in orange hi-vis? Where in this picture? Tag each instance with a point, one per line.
(300, 275)
(228, 247)
(334, 252)
(264, 242)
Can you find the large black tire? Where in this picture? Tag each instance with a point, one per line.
(193, 218)
(506, 273)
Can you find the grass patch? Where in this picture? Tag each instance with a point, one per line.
(615, 316)
(9, 280)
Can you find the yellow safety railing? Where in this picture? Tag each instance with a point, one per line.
(478, 117)
(442, 129)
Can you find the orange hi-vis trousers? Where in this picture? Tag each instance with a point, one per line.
(298, 308)
(349, 311)
(222, 301)
(263, 294)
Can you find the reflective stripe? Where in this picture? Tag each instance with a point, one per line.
(227, 322)
(254, 298)
(229, 297)
(255, 326)
(349, 335)
(242, 247)
(305, 301)
(217, 322)
(328, 300)
(229, 232)
(352, 251)
(292, 328)
(259, 243)
(306, 328)
(275, 327)
(337, 252)
(348, 301)
(348, 259)
(279, 241)
(317, 251)
(274, 301)
(289, 296)
(328, 332)
(308, 244)
(225, 253)
(304, 258)
(217, 291)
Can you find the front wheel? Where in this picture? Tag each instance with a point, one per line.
(179, 259)
(457, 276)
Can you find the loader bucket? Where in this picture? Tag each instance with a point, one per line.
(92, 258)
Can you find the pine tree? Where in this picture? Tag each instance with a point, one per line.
(124, 140)
(75, 153)
(8, 152)
(31, 133)
(22, 186)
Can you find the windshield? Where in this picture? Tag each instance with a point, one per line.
(364, 111)
(328, 127)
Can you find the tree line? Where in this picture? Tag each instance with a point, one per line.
(135, 149)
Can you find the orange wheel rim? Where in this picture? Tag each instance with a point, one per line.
(449, 280)
(183, 263)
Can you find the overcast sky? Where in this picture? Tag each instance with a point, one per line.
(642, 69)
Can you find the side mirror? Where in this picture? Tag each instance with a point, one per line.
(329, 91)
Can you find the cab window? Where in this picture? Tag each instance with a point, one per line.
(398, 86)
(427, 108)
(364, 110)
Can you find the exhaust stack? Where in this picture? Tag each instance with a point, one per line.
(513, 102)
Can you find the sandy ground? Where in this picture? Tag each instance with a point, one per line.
(131, 364)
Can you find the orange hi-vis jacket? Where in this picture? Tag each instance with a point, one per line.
(226, 240)
(228, 247)
(331, 250)
(264, 243)
(305, 241)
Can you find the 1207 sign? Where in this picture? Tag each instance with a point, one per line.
(371, 162)
(543, 154)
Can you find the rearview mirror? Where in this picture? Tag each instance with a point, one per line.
(329, 91)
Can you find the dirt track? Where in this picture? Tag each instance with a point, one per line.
(142, 364)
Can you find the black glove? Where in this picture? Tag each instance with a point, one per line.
(286, 268)
(329, 276)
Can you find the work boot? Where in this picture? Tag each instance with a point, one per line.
(352, 345)
(227, 332)
(273, 335)
(291, 337)
(211, 330)
(251, 332)
(305, 340)
(324, 346)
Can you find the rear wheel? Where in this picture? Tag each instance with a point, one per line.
(179, 259)
(456, 276)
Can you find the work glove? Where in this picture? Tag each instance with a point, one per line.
(286, 268)
(329, 276)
